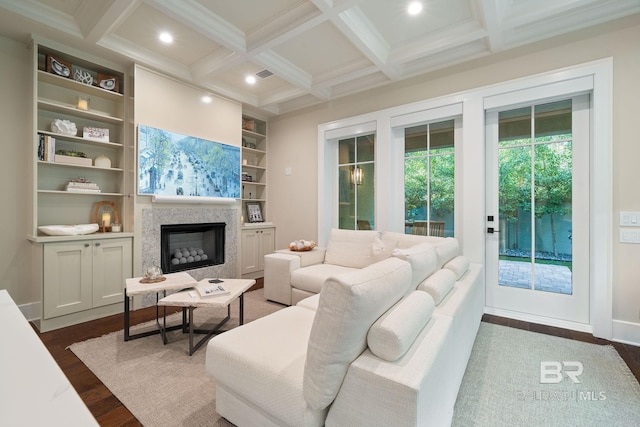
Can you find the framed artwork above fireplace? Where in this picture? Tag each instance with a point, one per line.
(173, 164)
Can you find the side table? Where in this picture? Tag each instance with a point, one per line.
(173, 281)
(189, 300)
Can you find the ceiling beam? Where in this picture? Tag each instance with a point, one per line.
(44, 14)
(360, 31)
(487, 13)
(100, 24)
(283, 69)
(194, 15)
(145, 57)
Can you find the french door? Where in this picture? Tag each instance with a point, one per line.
(537, 240)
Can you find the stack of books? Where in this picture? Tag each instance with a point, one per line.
(46, 147)
(211, 291)
(82, 187)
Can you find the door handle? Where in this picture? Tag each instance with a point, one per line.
(492, 230)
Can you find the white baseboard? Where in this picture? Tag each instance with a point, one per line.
(31, 311)
(626, 332)
(548, 321)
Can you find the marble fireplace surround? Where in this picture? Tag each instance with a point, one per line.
(153, 218)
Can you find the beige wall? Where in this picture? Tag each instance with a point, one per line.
(168, 104)
(293, 137)
(15, 110)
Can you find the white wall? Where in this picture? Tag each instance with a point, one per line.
(293, 138)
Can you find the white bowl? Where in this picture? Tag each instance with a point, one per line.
(68, 230)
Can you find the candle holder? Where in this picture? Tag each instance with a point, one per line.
(82, 102)
(105, 214)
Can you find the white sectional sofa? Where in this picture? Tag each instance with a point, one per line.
(290, 277)
(383, 344)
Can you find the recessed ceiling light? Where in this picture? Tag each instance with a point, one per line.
(165, 37)
(206, 99)
(250, 79)
(415, 7)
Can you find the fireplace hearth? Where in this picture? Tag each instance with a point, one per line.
(191, 246)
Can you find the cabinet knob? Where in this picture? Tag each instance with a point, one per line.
(86, 245)
(97, 243)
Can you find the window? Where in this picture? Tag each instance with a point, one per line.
(429, 179)
(356, 170)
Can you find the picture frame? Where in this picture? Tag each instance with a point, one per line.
(173, 164)
(254, 212)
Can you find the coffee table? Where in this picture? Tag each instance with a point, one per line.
(172, 282)
(190, 299)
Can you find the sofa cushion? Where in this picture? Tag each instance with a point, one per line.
(403, 241)
(348, 306)
(263, 363)
(439, 284)
(422, 258)
(350, 248)
(312, 278)
(459, 265)
(381, 249)
(310, 303)
(447, 249)
(394, 332)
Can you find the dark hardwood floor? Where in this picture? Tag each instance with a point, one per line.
(110, 412)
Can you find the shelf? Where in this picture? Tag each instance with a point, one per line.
(79, 193)
(253, 150)
(72, 110)
(43, 238)
(253, 182)
(254, 200)
(79, 139)
(68, 83)
(254, 167)
(252, 134)
(70, 165)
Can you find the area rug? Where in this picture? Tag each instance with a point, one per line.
(162, 386)
(521, 378)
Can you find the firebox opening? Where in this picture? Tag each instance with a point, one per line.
(189, 246)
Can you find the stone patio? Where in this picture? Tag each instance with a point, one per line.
(550, 278)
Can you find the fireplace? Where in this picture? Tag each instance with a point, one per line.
(190, 246)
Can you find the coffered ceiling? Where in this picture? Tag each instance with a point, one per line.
(312, 50)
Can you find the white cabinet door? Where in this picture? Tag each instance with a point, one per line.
(256, 243)
(67, 278)
(85, 274)
(250, 251)
(267, 245)
(111, 266)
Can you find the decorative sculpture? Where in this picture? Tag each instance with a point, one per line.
(64, 127)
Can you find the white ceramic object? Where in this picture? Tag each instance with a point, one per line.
(68, 230)
(64, 127)
(102, 162)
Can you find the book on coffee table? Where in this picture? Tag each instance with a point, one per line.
(212, 291)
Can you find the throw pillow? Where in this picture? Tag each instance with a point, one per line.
(396, 330)
(349, 304)
(381, 250)
(447, 249)
(459, 265)
(422, 258)
(439, 284)
(350, 248)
